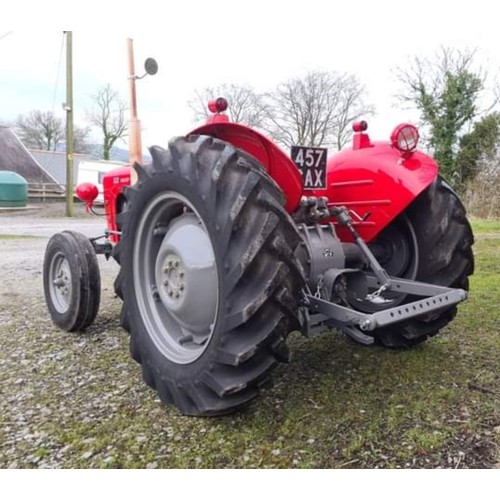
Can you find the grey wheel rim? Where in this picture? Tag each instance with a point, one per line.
(60, 283)
(175, 278)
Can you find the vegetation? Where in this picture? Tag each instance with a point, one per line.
(314, 110)
(78, 400)
(478, 149)
(447, 90)
(15, 237)
(108, 115)
(482, 197)
(245, 104)
(44, 130)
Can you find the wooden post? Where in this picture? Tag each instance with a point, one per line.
(69, 124)
(135, 146)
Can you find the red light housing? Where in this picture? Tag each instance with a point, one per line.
(218, 105)
(405, 137)
(361, 126)
(87, 192)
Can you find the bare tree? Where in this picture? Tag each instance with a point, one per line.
(80, 140)
(245, 105)
(108, 114)
(40, 130)
(316, 110)
(44, 130)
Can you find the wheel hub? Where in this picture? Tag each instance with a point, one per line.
(186, 274)
(175, 277)
(60, 283)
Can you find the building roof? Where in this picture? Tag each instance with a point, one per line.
(15, 157)
(54, 162)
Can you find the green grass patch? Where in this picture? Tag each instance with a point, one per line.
(17, 237)
(485, 226)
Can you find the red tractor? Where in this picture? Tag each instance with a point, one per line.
(226, 244)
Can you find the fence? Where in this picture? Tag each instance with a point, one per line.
(46, 192)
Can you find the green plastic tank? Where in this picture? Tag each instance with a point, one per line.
(13, 190)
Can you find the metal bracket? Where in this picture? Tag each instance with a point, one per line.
(314, 324)
(105, 248)
(437, 297)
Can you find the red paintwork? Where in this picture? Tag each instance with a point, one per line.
(376, 179)
(360, 141)
(217, 118)
(279, 166)
(87, 192)
(370, 177)
(113, 183)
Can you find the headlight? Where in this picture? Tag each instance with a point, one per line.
(405, 137)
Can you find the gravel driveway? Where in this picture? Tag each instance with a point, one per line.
(41, 368)
(19, 255)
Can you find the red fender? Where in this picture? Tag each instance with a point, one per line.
(376, 182)
(279, 166)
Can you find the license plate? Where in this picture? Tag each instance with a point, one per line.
(311, 162)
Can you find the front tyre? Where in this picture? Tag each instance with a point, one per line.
(71, 281)
(208, 276)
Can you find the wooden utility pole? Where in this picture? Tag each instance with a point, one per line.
(69, 123)
(134, 128)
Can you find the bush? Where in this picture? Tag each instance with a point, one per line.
(482, 197)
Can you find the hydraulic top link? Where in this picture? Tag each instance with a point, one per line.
(344, 219)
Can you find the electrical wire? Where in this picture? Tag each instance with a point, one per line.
(58, 73)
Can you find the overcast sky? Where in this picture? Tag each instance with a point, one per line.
(257, 43)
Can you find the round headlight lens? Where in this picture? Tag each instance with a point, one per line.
(405, 137)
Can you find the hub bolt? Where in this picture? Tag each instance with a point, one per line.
(365, 324)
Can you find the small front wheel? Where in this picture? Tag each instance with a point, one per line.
(71, 281)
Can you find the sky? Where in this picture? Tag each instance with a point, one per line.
(198, 44)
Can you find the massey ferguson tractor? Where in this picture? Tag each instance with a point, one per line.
(226, 244)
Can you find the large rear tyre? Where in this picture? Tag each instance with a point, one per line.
(434, 245)
(209, 277)
(71, 281)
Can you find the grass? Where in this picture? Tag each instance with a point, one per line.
(16, 237)
(483, 225)
(337, 405)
